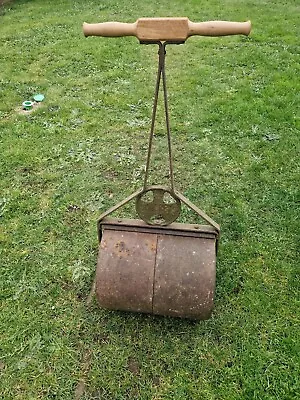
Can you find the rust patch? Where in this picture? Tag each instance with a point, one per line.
(121, 248)
(152, 246)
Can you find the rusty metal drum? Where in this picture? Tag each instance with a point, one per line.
(167, 270)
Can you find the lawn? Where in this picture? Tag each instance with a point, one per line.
(234, 109)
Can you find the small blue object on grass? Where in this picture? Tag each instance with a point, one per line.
(38, 97)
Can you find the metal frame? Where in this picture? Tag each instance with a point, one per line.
(179, 197)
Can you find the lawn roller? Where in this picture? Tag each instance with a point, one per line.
(154, 264)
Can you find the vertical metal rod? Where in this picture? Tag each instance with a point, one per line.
(167, 117)
(153, 116)
(160, 74)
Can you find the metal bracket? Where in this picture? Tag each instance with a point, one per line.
(158, 205)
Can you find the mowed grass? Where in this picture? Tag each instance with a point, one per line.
(234, 106)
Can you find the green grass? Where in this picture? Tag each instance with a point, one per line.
(234, 105)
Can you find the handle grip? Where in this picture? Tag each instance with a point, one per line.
(109, 29)
(219, 28)
(161, 29)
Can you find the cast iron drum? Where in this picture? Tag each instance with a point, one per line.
(168, 270)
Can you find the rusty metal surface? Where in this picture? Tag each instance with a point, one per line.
(124, 277)
(177, 229)
(149, 269)
(184, 277)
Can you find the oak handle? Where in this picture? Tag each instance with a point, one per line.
(161, 29)
(109, 29)
(219, 28)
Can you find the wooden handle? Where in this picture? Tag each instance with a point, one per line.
(161, 29)
(219, 28)
(110, 29)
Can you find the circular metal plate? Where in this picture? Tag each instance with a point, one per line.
(157, 205)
